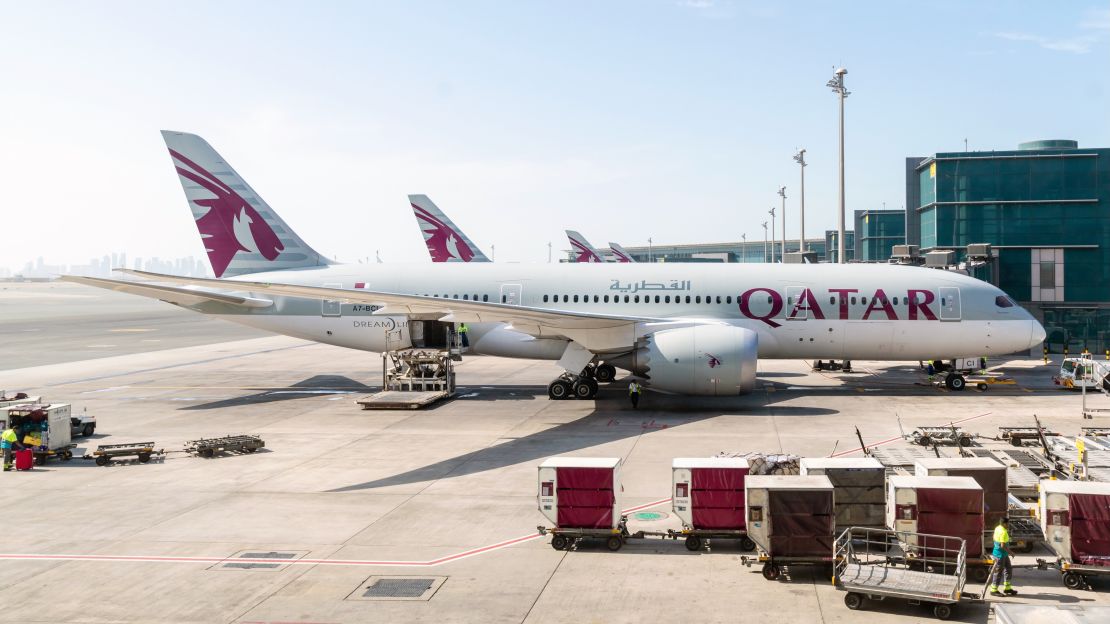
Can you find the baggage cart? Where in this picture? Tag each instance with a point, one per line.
(141, 452)
(708, 497)
(581, 496)
(791, 521)
(859, 488)
(940, 505)
(943, 435)
(44, 428)
(208, 447)
(1075, 516)
(866, 573)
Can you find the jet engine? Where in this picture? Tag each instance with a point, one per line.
(707, 360)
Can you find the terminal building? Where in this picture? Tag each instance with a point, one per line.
(1043, 209)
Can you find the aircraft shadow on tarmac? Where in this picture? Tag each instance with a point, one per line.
(313, 386)
(612, 419)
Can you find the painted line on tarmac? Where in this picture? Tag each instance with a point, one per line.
(329, 562)
(896, 438)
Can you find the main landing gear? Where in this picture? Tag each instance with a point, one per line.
(583, 386)
(955, 382)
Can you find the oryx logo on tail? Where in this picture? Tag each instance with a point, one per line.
(444, 243)
(231, 224)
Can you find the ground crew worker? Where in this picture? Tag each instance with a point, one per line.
(7, 439)
(1003, 567)
(634, 389)
(462, 335)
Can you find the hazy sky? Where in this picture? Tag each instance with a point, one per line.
(668, 119)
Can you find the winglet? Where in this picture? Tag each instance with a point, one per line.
(446, 243)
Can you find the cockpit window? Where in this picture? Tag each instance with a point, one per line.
(1003, 301)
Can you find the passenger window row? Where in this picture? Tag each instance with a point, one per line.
(709, 299)
(464, 297)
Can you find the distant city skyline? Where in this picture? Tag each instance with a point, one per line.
(188, 266)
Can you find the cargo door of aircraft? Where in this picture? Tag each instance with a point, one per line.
(510, 294)
(331, 307)
(949, 303)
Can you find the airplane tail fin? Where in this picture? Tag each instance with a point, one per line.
(240, 232)
(445, 241)
(583, 251)
(620, 254)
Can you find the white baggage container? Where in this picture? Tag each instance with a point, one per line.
(942, 506)
(580, 492)
(1075, 518)
(708, 492)
(58, 434)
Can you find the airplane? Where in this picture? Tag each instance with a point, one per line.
(445, 241)
(692, 329)
(583, 250)
(620, 254)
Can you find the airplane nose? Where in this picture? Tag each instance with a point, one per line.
(1037, 334)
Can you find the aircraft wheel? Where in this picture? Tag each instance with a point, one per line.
(605, 373)
(585, 389)
(955, 382)
(558, 390)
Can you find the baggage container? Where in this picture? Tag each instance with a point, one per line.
(580, 492)
(989, 473)
(1075, 517)
(24, 459)
(944, 506)
(859, 486)
(790, 518)
(708, 497)
(709, 492)
(19, 398)
(48, 422)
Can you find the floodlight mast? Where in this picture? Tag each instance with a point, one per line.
(765, 241)
(772, 213)
(800, 158)
(837, 85)
(782, 251)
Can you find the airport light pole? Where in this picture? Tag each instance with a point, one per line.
(782, 251)
(800, 158)
(651, 253)
(837, 85)
(772, 213)
(765, 241)
(744, 247)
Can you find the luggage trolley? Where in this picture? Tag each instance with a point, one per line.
(1074, 515)
(791, 520)
(865, 572)
(141, 452)
(208, 447)
(708, 497)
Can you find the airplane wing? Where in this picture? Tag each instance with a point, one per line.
(598, 333)
(583, 250)
(169, 294)
(620, 254)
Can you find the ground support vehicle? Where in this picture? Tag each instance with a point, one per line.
(141, 452)
(867, 571)
(943, 435)
(208, 447)
(82, 424)
(44, 428)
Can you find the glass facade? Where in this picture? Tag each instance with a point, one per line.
(877, 231)
(739, 251)
(831, 251)
(1043, 208)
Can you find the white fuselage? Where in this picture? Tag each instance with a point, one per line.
(824, 311)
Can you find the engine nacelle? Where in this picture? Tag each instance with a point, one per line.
(707, 360)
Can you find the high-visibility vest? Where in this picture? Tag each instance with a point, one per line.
(1001, 539)
(8, 438)
(633, 388)
(462, 328)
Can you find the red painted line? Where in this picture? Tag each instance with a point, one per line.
(896, 438)
(335, 562)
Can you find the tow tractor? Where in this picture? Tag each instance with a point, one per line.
(1083, 372)
(83, 424)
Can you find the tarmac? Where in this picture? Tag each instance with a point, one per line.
(300, 531)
